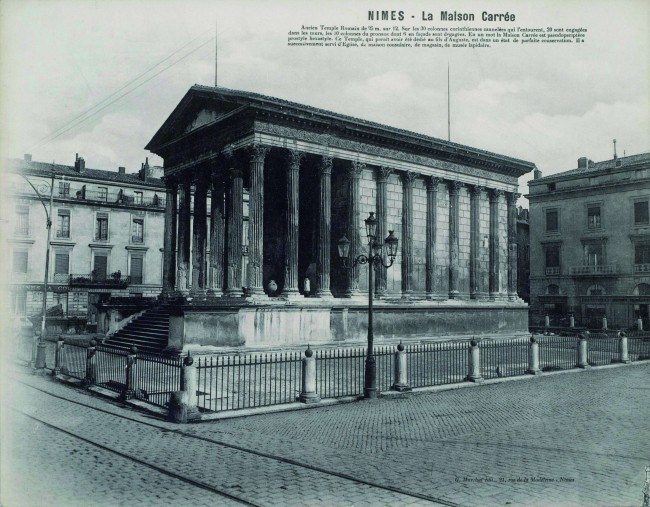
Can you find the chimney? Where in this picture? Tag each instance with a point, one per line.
(28, 157)
(537, 174)
(79, 164)
(583, 163)
(121, 170)
(144, 170)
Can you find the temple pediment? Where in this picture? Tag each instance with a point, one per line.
(201, 118)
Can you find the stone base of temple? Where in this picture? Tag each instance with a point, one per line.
(279, 323)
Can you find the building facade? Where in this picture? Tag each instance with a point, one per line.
(312, 177)
(590, 243)
(106, 236)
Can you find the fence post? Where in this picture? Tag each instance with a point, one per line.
(474, 363)
(401, 377)
(639, 324)
(131, 375)
(604, 322)
(183, 404)
(624, 356)
(582, 351)
(572, 321)
(308, 392)
(91, 364)
(533, 357)
(547, 323)
(58, 357)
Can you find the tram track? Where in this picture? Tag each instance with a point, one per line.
(228, 445)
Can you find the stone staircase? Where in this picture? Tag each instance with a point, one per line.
(148, 333)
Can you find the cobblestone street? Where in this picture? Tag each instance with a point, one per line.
(579, 438)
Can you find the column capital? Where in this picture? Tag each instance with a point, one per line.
(495, 193)
(234, 172)
(294, 158)
(454, 186)
(432, 182)
(228, 151)
(408, 178)
(356, 168)
(257, 152)
(326, 164)
(383, 173)
(475, 190)
(512, 197)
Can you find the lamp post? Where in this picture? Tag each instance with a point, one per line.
(40, 349)
(374, 259)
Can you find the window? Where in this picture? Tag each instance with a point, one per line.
(101, 227)
(553, 257)
(137, 230)
(137, 197)
(553, 290)
(63, 224)
(19, 303)
(641, 216)
(593, 217)
(100, 267)
(136, 269)
(594, 253)
(550, 187)
(552, 220)
(20, 262)
(103, 194)
(64, 189)
(22, 221)
(642, 253)
(61, 264)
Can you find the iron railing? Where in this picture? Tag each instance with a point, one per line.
(434, 364)
(602, 348)
(504, 358)
(114, 280)
(75, 359)
(340, 372)
(557, 352)
(157, 378)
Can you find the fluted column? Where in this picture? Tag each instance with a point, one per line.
(454, 233)
(169, 251)
(324, 228)
(354, 176)
(474, 240)
(512, 245)
(235, 210)
(199, 239)
(217, 236)
(432, 205)
(494, 243)
(183, 254)
(408, 178)
(293, 225)
(383, 174)
(256, 221)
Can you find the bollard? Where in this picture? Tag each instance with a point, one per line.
(401, 378)
(639, 324)
(41, 349)
(572, 321)
(91, 365)
(131, 375)
(474, 363)
(547, 322)
(308, 392)
(533, 357)
(604, 323)
(624, 356)
(59, 359)
(189, 383)
(582, 352)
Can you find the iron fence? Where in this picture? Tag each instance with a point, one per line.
(157, 378)
(340, 372)
(433, 364)
(110, 371)
(602, 348)
(247, 381)
(639, 347)
(75, 359)
(557, 352)
(504, 358)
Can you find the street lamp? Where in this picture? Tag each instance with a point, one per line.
(374, 259)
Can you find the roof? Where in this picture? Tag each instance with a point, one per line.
(286, 106)
(45, 169)
(594, 167)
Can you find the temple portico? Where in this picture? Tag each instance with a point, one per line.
(270, 274)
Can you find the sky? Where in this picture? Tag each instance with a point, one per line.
(547, 104)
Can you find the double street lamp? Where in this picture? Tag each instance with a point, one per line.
(375, 259)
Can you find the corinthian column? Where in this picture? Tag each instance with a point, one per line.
(432, 204)
(512, 245)
(235, 207)
(454, 233)
(383, 174)
(183, 254)
(324, 228)
(169, 252)
(199, 239)
(474, 240)
(256, 221)
(494, 243)
(293, 226)
(354, 176)
(408, 178)
(217, 236)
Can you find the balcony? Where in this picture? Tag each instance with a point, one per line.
(114, 281)
(642, 268)
(552, 271)
(602, 270)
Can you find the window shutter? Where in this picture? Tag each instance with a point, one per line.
(136, 269)
(101, 261)
(61, 264)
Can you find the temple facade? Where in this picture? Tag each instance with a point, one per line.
(311, 177)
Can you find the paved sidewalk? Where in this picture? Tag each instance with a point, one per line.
(568, 439)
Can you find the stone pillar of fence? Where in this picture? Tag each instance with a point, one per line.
(474, 374)
(582, 352)
(308, 392)
(131, 375)
(183, 404)
(639, 324)
(604, 322)
(572, 321)
(91, 364)
(624, 356)
(401, 383)
(547, 323)
(58, 357)
(533, 357)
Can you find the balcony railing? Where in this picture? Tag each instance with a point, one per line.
(642, 268)
(604, 269)
(61, 278)
(62, 234)
(79, 194)
(552, 271)
(137, 239)
(115, 280)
